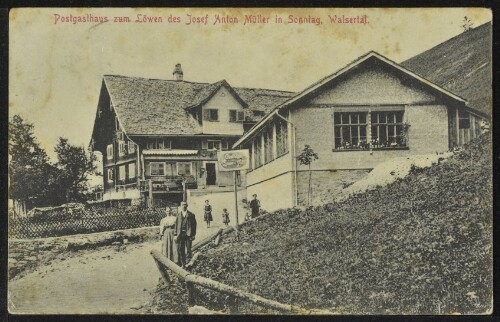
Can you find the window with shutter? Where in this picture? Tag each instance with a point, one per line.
(109, 174)
(206, 115)
(157, 168)
(122, 174)
(109, 152)
(232, 115)
(236, 116)
(131, 147)
(241, 116)
(211, 114)
(131, 170)
(121, 148)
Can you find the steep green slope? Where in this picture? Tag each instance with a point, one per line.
(420, 245)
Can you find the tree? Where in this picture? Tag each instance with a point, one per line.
(306, 157)
(28, 165)
(75, 164)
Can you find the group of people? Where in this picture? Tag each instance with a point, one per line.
(207, 215)
(178, 229)
(254, 205)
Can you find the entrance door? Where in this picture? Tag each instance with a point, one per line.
(211, 174)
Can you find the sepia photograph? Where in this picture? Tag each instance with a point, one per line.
(242, 161)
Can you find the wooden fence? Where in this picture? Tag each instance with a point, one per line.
(88, 219)
(167, 267)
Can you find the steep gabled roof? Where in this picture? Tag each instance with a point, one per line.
(152, 106)
(161, 107)
(461, 65)
(328, 79)
(209, 91)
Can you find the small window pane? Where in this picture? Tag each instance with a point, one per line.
(354, 118)
(399, 117)
(363, 131)
(345, 118)
(362, 118)
(382, 118)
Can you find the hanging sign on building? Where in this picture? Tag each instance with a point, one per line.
(233, 160)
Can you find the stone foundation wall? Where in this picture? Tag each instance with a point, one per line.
(26, 254)
(326, 185)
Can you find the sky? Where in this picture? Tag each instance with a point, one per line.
(56, 67)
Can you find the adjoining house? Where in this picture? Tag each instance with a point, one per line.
(159, 137)
(368, 112)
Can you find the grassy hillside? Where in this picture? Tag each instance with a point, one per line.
(462, 65)
(420, 245)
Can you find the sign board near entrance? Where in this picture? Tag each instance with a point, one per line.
(233, 160)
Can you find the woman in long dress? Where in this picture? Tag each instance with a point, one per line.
(167, 227)
(207, 213)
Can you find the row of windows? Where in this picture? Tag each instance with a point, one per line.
(263, 144)
(170, 169)
(124, 148)
(130, 147)
(159, 144)
(212, 114)
(364, 130)
(206, 145)
(126, 171)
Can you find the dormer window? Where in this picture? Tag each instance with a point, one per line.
(236, 116)
(211, 114)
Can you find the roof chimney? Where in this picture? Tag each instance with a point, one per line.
(178, 74)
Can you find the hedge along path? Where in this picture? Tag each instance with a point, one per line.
(164, 264)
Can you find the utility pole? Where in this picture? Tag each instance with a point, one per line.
(236, 198)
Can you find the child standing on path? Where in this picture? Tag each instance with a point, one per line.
(225, 216)
(208, 213)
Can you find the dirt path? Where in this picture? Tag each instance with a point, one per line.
(113, 279)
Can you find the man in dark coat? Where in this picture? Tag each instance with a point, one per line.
(255, 206)
(185, 232)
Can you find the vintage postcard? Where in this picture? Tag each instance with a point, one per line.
(249, 161)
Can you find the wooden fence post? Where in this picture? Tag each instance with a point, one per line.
(150, 188)
(191, 293)
(163, 272)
